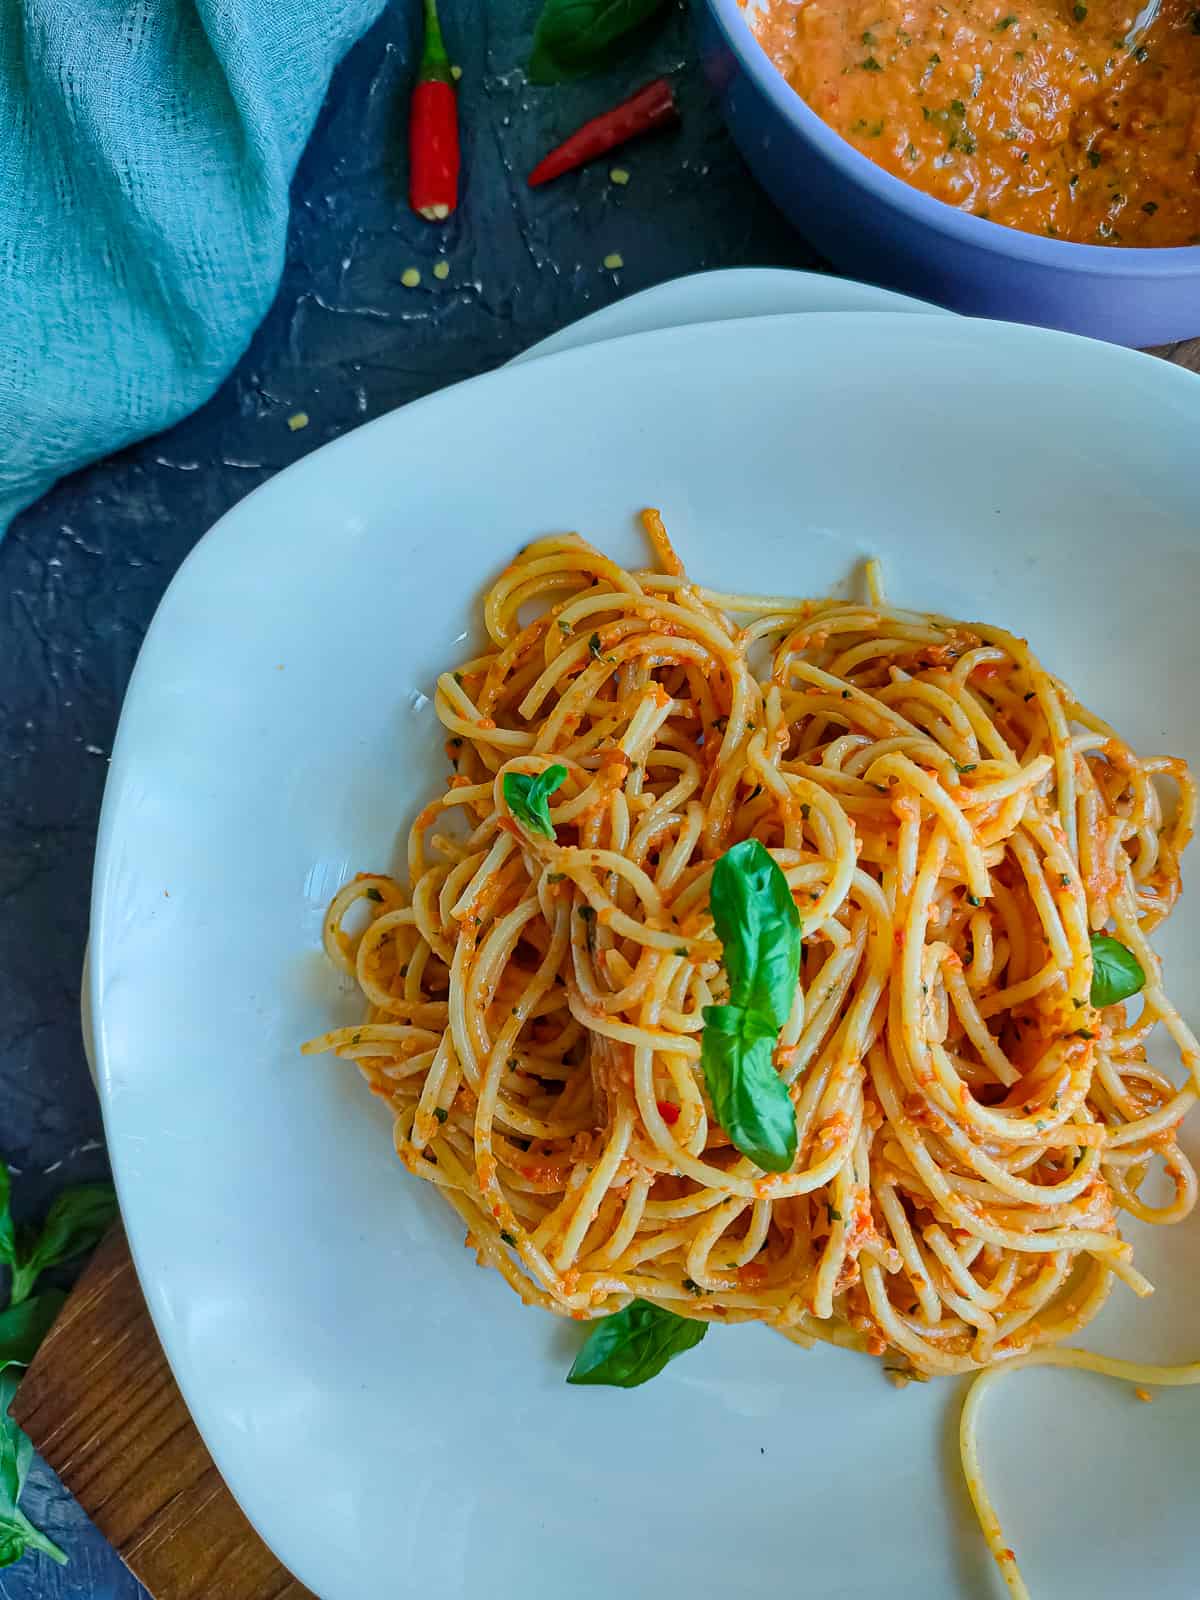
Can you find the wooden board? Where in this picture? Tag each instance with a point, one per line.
(101, 1406)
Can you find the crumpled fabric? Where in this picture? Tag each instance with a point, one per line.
(146, 150)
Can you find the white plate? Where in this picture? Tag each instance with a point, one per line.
(734, 292)
(391, 1419)
(724, 295)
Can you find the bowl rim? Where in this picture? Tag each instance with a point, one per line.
(1130, 261)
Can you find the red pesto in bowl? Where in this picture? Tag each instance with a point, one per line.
(1078, 121)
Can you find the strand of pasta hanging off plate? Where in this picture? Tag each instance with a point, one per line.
(767, 959)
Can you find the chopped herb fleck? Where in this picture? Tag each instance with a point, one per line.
(506, 1236)
(1030, 695)
(692, 1286)
(869, 40)
(1065, 879)
(1150, 207)
(974, 900)
(588, 913)
(834, 1214)
(440, 1113)
(1140, 52)
(555, 877)
(1093, 158)
(1084, 1033)
(1007, 22)
(870, 65)
(1079, 11)
(969, 767)
(374, 894)
(594, 645)
(681, 949)
(458, 678)
(563, 625)
(357, 1037)
(845, 694)
(513, 1064)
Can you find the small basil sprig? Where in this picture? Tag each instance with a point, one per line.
(575, 37)
(1116, 972)
(17, 1533)
(759, 929)
(634, 1345)
(526, 794)
(74, 1224)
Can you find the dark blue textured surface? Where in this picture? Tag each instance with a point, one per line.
(81, 573)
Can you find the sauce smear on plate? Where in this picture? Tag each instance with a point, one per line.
(1078, 120)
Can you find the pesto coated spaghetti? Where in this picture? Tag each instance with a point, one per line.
(956, 831)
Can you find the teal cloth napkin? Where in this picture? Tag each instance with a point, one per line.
(146, 148)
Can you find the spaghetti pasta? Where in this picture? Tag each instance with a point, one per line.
(955, 829)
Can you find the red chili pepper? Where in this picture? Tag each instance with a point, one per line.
(433, 129)
(649, 109)
(668, 1112)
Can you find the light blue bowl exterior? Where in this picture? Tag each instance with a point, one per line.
(874, 226)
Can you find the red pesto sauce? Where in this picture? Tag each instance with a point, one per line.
(1078, 121)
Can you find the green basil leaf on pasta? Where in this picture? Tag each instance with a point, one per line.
(1116, 972)
(575, 37)
(526, 796)
(759, 929)
(634, 1345)
(750, 1099)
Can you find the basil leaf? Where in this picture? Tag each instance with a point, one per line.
(1116, 972)
(20, 1526)
(14, 1457)
(77, 1221)
(759, 929)
(23, 1327)
(12, 1542)
(575, 37)
(8, 1243)
(634, 1345)
(750, 1099)
(525, 795)
(17, 1533)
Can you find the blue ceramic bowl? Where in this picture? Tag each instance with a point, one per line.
(874, 226)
